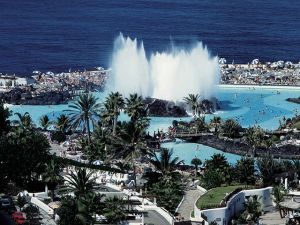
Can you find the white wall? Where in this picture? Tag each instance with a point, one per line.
(42, 205)
(234, 206)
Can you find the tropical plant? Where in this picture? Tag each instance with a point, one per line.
(215, 122)
(192, 101)
(266, 166)
(113, 104)
(51, 176)
(231, 128)
(196, 162)
(32, 213)
(5, 113)
(254, 136)
(253, 207)
(217, 161)
(44, 122)
(114, 209)
(80, 182)
(165, 162)
(25, 120)
(168, 191)
(83, 112)
(77, 211)
(21, 201)
(135, 107)
(245, 170)
(22, 155)
(63, 123)
(212, 178)
(132, 140)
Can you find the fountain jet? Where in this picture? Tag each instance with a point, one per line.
(169, 75)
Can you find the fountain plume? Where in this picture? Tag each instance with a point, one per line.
(169, 75)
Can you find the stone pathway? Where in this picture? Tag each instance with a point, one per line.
(272, 218)
(187, 206)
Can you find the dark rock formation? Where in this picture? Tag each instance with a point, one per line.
(240, 148)
(294, 100)
(158, 107)
(164, 108)
(19, 96)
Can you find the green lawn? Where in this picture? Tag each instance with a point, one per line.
(297, 125)
(214, 196)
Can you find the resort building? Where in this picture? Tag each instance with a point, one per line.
(231, 206)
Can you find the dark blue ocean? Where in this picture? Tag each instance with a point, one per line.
(61, 34)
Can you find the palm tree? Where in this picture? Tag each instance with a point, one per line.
(52, 175)
(84, 111)
(196, 162)
(5, 113)
(254, 136)
(192, 101)
(132, 140)
(217, 161)
(44, 122)
(25, 120)
(231, 128)
(135, 107)
(165, 162)
(215, 123)
(114, 210)
(81, 182)
(76, 211)
(113, 104)
(63, 123)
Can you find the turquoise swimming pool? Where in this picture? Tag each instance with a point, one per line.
(248, 106)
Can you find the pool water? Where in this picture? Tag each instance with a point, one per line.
(249, 106)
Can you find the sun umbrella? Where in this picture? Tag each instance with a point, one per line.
(54, 205)
(222, 61)
(255, 61)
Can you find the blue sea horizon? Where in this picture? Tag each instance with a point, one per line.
(36, 35)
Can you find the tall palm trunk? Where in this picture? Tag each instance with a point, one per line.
(52, 194)
(134, 173)
(115, 120)
(253, 151)
(88, 129)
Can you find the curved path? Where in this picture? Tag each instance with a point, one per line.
(187, 206)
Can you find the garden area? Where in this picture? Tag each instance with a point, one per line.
(214, 197)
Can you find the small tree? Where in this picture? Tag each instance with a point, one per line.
(21, 201)
(196, 162)
(114, 209)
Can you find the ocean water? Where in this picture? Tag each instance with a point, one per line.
(249, 106)
(58, 35)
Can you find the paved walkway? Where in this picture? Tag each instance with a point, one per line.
(187, 206)
(272, 218)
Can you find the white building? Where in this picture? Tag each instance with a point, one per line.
(12, 81)
(234, 206)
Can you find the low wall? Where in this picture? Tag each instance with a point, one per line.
(42, 205)
(164, 213)
(234, 206)
(201, 189)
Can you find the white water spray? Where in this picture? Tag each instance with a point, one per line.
(169, 75)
